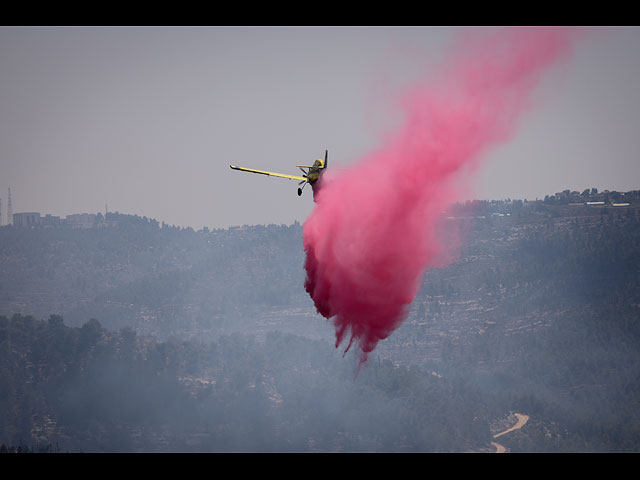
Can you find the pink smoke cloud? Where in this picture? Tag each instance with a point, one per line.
(373, 231)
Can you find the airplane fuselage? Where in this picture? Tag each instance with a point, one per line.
(314, 172)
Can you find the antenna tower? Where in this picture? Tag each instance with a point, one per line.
(9, 210)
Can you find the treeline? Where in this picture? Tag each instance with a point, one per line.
(89, 389)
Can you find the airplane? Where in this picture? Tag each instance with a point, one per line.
(311, 176)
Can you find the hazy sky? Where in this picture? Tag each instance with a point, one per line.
(147, 120)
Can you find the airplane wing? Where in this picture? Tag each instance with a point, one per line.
(262, 172)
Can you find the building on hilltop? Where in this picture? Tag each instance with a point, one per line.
(49, 219)
(81, 220)
(26, 219)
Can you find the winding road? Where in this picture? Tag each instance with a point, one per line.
(522, 419)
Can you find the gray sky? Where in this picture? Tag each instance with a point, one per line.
(147, 120)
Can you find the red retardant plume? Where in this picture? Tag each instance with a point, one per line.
(373, 231)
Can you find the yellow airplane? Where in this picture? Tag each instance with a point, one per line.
(311, 176)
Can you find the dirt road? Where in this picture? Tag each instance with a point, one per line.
(522, 419)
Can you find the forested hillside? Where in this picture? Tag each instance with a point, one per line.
(138, 336)
(87, 389)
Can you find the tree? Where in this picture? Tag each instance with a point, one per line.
(90, 333)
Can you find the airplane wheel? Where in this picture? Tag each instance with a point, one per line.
(299, 191)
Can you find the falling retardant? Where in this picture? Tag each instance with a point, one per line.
(374, 228)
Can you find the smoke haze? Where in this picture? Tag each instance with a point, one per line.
(373, 230)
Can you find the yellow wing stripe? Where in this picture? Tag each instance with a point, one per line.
(263, 172)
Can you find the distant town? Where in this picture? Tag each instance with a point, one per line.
(76, 220)
(588, 197)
